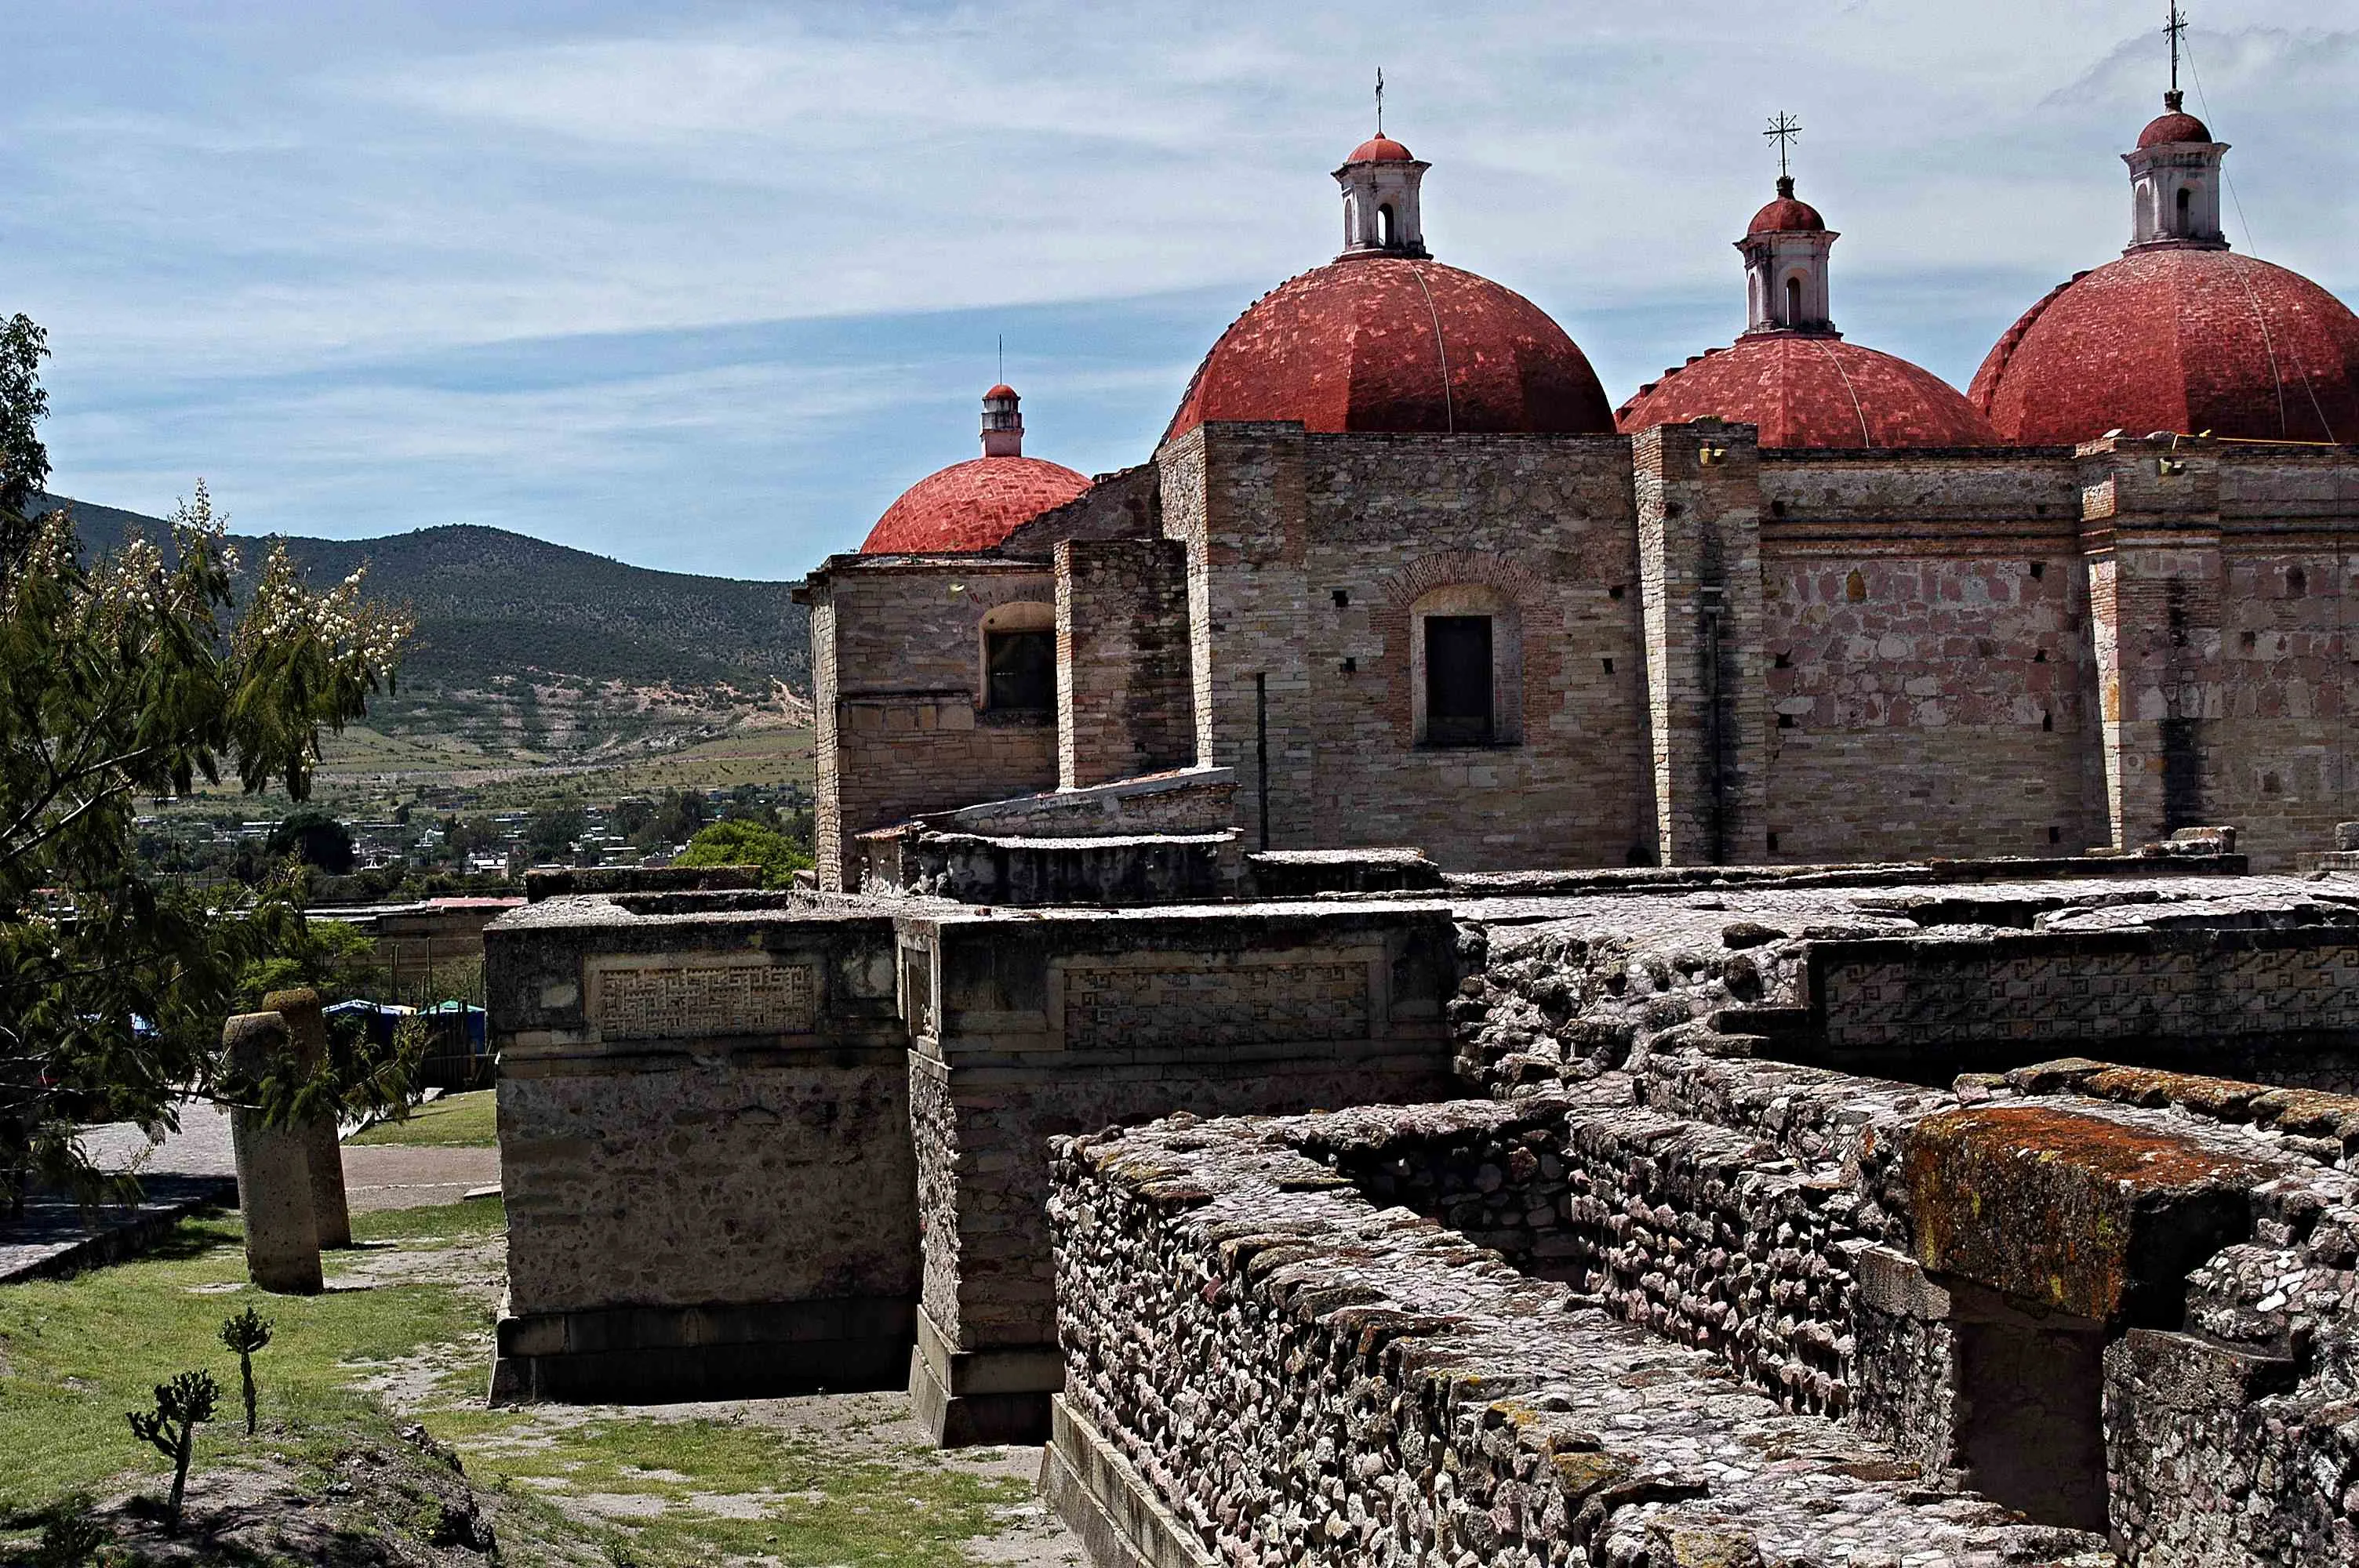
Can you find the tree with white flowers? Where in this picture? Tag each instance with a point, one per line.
(122, 679)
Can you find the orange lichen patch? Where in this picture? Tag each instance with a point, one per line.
(2074, 1212)
(2308, 1113)
(2225, 1099)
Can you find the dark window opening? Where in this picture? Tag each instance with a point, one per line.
(1609, 666)
(1785, 722)
(2039, 569)
(2297, 582)
(2184, 198)
(1458, 680)
(1613, 592)
(1385, 225)
(1793, 302)
(2055, 834)
(1350, 664)
(2046, 722)
(1773, 843)
(1785, 661)
(1021, 668)
(1342, 598)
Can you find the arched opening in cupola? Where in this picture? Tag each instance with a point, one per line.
(1793, 302)
(1384, 224)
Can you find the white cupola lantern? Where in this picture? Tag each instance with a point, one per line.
(1003, 423)
(2175, 182)
(1380, 183)
(1785, 248)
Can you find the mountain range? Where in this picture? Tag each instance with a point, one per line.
(526, 649)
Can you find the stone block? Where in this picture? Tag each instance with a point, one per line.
(274, 1167)
(2072, 1212)
(306, 1026)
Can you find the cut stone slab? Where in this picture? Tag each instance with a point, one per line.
(2074, 1212)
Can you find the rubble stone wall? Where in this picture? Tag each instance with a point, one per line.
(1293, 1374)
(1708, 1237)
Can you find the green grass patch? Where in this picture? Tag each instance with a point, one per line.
(76, 1354)
(817, 1507)
(455, 1121)
(433, 1225)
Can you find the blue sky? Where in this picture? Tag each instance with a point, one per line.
(703, 285)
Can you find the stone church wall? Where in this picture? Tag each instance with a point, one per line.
(903, 726)
(1930, 688)
(1311, 559)
(1122, 678)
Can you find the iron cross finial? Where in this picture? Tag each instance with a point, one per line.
(1783, 129)
(1380, 100)
(2175, 30)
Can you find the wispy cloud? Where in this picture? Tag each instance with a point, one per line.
(707, 283)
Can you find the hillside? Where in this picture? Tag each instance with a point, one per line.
(528, 650)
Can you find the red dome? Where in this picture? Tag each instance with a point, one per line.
(2174, 126)
(1807, 391)
(1385, 343)
(1002, 390)
(1785, 215)
(2177, 338)
(972, 506)
(1381, 149)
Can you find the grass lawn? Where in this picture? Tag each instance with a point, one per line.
(467, 1120)
(402, 1335)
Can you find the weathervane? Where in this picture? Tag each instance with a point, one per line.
(1380, 97)
(1783, 129)
(2175, 31)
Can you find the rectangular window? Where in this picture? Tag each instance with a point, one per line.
(1021, 668)
(1458, 680)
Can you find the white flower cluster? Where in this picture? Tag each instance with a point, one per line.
(362, 638)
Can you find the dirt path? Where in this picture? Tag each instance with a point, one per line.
(396, 1175)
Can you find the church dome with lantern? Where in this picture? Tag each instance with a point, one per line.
(1384, 339)
(1790, 373)
(973, 505)
(2181, 333)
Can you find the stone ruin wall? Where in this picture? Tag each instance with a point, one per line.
(1263, 1366)
(705, 1146)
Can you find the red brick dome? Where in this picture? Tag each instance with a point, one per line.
(2175, 126)
(1785, 215)
(1811, 390)
(972, 506)
(1381, 149)
(2182, 338)
(1394, 344)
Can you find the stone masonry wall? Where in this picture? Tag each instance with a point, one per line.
(901, 675)
(1711, 1239)
(1123, 681)
(1294, 1375)
(703, 1148)
(1308, 556)
(1930, 678)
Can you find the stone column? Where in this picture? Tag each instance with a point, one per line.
(274, 1169)
(306, 1026)
(1698, 494)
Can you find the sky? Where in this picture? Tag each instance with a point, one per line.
(703, 285)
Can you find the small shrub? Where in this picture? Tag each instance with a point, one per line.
(181, 1405)
(247, 1333)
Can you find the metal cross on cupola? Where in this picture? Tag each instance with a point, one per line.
(2175, 30)
(1784, 129)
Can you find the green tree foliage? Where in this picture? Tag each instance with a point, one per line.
(181, 1406)
(334, 957)
(315, 839)
(123, 680)
(739, 843)
(551, 834)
